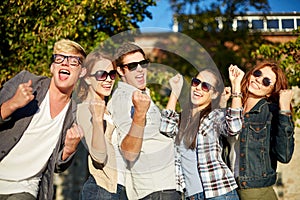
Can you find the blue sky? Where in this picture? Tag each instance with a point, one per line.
(162, 14)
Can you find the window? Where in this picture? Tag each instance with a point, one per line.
(288, 23)
(242, 24)
(273, 24)
(257, 24)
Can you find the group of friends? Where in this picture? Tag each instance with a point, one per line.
(136, 150)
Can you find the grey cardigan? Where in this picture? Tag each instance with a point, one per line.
(12, 129)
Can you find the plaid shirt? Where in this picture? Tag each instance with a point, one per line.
(216, 177)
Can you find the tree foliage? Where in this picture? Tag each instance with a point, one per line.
(29, 28)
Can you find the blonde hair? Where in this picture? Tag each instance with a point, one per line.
(69, 46)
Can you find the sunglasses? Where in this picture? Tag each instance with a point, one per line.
(102, 75)
(72, 60)
(204, 85)
(266, 81)
(132, 66)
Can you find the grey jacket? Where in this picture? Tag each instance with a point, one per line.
(12, 129)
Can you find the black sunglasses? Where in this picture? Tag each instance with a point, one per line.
(266, 81)
(204, 85)
(102, 75)
(132, 66)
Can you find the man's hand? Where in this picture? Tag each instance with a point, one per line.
(141, 102)
(73, 137)
(21, 98)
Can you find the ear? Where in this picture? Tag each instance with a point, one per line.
(51, 68)
(120, 71)
(83, 72)
(214, 95)
(87, 80)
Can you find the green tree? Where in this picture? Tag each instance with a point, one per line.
(29, 28)
(198, 19)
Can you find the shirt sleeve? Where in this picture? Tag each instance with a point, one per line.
(169, 123)
(231, 124)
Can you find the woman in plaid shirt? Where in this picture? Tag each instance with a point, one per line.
(197, 130)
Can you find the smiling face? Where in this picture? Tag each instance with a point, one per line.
(256, 86)
(64, 75)
(200, 98)
(100, 88)
(136, 77)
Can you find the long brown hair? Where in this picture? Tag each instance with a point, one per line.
(189, 126)
(280, 84)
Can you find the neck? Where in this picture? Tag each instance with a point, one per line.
(57, 94)
(93, 95)
(250, 103)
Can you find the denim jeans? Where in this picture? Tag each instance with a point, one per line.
(92, 191)
(163, 195)
(198, 196)
(232, 195)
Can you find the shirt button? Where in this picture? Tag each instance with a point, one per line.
(264, 174)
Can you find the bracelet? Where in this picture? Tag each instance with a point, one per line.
(237, 95)
(285, 112)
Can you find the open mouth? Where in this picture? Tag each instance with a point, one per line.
(64, 74)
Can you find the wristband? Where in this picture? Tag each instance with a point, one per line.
(285, 112)
(236, 95)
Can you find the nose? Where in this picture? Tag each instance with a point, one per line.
(65, 61)
(139, 68)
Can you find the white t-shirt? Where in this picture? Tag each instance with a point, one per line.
(30, 155)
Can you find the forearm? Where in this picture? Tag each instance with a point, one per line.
(132, 143)
(236, 97)
(98, 145)
(284, 139)
(171, 105)
(7, 108)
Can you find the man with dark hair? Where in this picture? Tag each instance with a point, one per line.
(150, 154)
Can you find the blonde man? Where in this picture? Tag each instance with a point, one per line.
(37, 130)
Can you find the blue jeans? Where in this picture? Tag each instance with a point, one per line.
(232, 195)
(198, 196)
(92, 191)
(163, 195)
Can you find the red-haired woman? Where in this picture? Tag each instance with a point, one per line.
(268, 131)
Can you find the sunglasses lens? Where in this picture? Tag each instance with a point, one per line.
(195, 82)
(266, 82)
(132, 66)
(101, 75)
(112, 74)
(144, 63)
(257, 73)
(205, 86)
